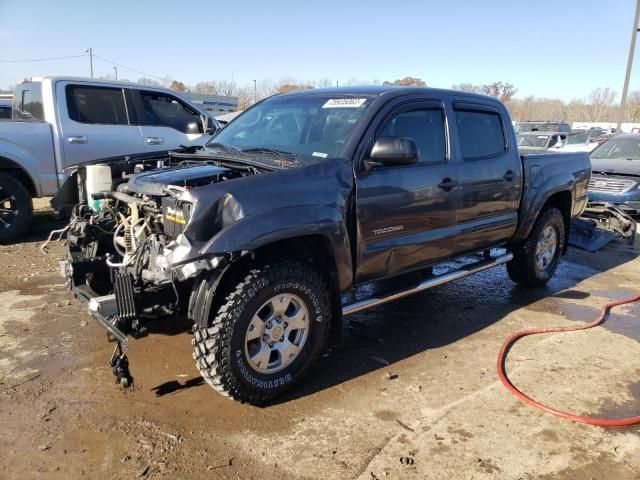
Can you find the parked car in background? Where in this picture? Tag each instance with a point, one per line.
(227, 117)
(5, 109)
(616, 173)
(539, 142)
(600, 139)
(543, 126)
(60, 122)
(580, 142)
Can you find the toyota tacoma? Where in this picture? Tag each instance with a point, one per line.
(260, 237)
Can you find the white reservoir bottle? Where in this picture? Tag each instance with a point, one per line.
(98, 179)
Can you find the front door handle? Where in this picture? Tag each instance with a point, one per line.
(78, 139)
(155, 140)
(447, 184)
(509, 175)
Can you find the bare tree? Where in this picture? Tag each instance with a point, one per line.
(632, 113)
(290, 87)
(226, 88)
(407, 82)
(206, 88)
(323, 83)
(600, 101)
(466, 87)
(501, 90)
(149, 81)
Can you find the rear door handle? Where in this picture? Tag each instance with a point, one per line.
(155, 140)
(509, 175)
(78, 139)
(447, 184)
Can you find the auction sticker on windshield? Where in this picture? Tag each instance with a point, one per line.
(344, 103)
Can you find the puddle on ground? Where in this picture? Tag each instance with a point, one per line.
(618, 294)
(630, 408)
(618, 322)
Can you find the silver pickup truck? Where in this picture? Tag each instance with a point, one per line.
(60, 122)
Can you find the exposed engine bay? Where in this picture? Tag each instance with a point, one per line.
(124, 243)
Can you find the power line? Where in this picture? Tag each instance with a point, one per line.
(26, 60)
(31, 60)
(128, 68)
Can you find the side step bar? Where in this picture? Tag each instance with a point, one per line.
(470, 269)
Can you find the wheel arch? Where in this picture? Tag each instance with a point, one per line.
(14, 169)
(533, 205)
(313, 249)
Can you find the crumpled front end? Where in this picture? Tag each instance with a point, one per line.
(621, 191)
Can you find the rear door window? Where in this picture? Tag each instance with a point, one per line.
(480, 134)
(164, 110)
(96, 105)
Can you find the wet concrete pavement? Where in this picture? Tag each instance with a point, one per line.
(413, 393)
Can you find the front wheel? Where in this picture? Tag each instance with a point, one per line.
(267, 333)
(535, 262)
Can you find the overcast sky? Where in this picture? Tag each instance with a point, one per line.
(545, 48)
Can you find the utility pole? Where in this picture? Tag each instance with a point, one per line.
(90, 52)
(625, 89)
(255, 90)
(115, 69)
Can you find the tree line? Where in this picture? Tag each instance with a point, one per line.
(601, 105)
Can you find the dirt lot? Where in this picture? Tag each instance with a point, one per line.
(438, 402)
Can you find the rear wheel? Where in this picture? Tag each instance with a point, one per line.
(16, 208)
(536, 261)
(267, 334)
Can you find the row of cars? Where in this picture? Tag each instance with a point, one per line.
(539, 137)
(615, 159)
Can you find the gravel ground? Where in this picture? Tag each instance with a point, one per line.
(413, 393)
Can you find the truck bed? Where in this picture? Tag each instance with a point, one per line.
(546, 174)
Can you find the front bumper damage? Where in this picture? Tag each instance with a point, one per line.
(103, 309)
(599, 224)
(125, 312)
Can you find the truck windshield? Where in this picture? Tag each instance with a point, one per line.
(619, 148)
(311, 127)
(537, 141)
(578, 139)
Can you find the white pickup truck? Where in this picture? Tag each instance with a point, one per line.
(60, 122)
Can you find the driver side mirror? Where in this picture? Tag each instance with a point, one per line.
(393, 151)
(193, 127)
(209, 125)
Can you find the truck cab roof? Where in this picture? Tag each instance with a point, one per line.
(97, 81)
(390, 91)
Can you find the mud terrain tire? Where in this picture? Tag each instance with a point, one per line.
(535, 262)
(223, 352)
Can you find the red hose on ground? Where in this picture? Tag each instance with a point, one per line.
(508, 343)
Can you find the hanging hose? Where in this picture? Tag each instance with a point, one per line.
(508, 343)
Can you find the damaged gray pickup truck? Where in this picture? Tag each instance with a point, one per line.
(259, 237)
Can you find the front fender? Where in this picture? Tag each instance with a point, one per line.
(253, 232)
